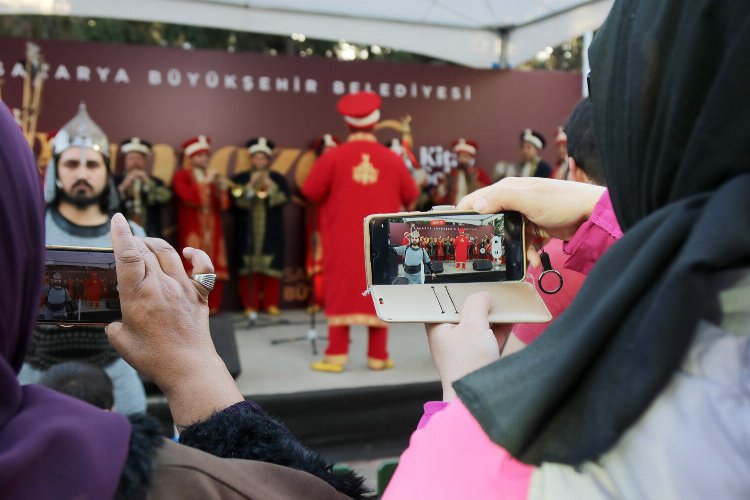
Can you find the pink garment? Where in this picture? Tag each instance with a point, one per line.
(594, 237)
(449, 455)
(556, 303)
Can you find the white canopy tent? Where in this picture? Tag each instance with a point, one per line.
(475, 33)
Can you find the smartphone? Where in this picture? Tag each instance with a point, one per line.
(79, 287)
(422, 265)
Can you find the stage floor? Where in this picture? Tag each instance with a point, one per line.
(285, 368)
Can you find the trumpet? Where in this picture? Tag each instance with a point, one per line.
(238, 190)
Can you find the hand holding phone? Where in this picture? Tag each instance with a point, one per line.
(458, 350)
(164, 332)
(422, 266)
(554, 208)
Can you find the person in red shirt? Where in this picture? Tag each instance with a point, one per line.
(201, 197)
(461, 244)
(356, 179)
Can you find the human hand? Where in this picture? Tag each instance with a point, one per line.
(458, 350)
(164, 332)
(255, 179)
(554, 208)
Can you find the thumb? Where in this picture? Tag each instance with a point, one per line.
(476, 310)
(120, 338)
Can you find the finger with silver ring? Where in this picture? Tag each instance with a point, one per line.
(206, 280)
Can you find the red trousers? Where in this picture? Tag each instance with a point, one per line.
(251, 288)
(338, 341)
(214, 298)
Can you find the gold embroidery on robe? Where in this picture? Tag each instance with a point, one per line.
(365, 173)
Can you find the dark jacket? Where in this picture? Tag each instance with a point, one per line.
(273, 242)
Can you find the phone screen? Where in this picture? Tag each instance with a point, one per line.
(460, 248)
(79, 287)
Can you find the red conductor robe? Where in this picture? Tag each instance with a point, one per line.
(461, 244)
(356, 179)
(93, 289)
(199, 207)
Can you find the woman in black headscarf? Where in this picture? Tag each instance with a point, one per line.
(53, 446)
(642, 387)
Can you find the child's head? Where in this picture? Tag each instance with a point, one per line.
(82, 381)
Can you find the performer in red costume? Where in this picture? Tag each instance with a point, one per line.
(356, 179)
(465, 178)
(93, 290)
(201, 197)
(461, 244)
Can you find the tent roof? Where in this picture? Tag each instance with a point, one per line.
(475, 33)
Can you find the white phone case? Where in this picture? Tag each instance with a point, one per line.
(512, 301)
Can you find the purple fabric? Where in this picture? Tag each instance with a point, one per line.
(51, 446)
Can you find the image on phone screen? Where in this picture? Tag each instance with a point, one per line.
(79, 286)
(446, 248)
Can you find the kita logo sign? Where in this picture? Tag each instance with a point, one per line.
(437, 222)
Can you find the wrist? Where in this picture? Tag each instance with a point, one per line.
(206, 389)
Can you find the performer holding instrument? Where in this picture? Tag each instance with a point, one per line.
(259, 196)
(201, 197)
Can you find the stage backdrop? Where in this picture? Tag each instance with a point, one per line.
(167, 95)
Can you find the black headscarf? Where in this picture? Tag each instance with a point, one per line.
(51, 446)
(672, 118)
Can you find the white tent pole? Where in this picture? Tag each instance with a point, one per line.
(587, 37)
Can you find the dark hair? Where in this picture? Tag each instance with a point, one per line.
(82, 381)
(581, 144)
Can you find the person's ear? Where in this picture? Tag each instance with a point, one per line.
(576, 174)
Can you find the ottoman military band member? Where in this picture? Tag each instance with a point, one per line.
(259, 198)
(201, 197)
(358, 178)
(142, 195)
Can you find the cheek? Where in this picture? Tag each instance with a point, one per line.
(99, 178)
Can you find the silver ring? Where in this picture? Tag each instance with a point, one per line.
(207, 280)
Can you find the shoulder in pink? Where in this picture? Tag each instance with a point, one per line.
(594, 237)
(450, 456)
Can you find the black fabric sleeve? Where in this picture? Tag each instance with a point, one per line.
(245, 431)
(145, 440)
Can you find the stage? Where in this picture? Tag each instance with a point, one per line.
(355, 415)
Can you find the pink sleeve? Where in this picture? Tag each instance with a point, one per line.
(430, 408)
(453, 458)
(594, 237)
